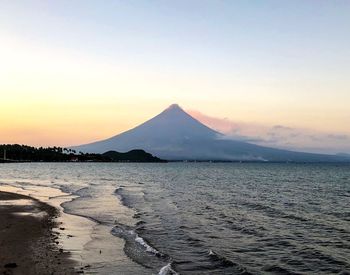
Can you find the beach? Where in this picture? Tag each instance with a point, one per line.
(28, 245)
(55, 240)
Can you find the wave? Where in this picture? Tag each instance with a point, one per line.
(167, 270)
(130, 236)
(125, 199)
(215, 257)
(142, 242)
(84, 192)
(332, 261)
(221, 262)
(140, 250)
(247, 230)
(117, 192)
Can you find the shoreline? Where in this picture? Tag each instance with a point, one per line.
(84, 244)
(29, 244)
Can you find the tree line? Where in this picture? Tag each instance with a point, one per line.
(25, 153)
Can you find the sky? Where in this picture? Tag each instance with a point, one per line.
(73, 72)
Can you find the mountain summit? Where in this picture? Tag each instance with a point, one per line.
(175, 135)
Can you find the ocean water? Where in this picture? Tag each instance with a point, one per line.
(204, 218)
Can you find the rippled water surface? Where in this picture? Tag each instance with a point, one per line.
(206, 218)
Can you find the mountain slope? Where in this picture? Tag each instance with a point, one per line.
(175, 135)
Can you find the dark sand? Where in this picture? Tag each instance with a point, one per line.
(27, 243)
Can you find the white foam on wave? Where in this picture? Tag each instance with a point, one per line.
(139, 240)
(148, 248)
(167, 270)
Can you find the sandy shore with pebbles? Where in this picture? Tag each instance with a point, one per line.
(28, 245)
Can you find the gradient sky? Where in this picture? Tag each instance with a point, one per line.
(77, 71)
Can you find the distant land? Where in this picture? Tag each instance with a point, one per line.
(343, 155)
(23, 153)
(174, 135)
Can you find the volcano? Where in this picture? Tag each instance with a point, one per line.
(175, 135)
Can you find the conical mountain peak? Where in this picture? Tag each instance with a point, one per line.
(177, 122)
(174, 106)
(174, 111)
(174, 121)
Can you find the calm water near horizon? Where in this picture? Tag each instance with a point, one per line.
(208, 218)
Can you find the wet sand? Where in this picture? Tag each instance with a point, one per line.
(28, 243)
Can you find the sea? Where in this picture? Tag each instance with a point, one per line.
(197, 218)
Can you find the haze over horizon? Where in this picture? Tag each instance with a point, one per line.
(272, 73)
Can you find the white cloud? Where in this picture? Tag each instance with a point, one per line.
(278, 136)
